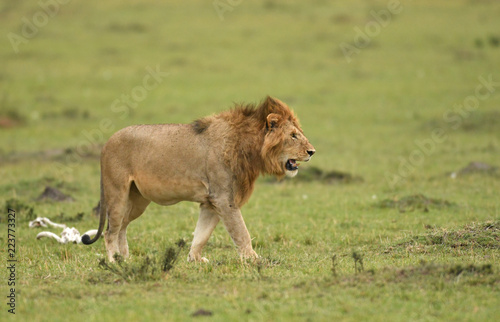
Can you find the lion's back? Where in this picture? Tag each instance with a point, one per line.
(167, 162)
(144, 143)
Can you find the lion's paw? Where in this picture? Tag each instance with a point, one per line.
(197, 260)
(249, 255)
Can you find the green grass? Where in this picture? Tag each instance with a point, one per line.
(429, 244)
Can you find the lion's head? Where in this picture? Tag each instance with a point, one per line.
(284, 143)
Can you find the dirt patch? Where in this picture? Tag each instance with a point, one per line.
(476, 168)
(311, 174)
(482, 121)
(202, 312)
(465, 54)
(30, 189)
(425, 273)
(491, 41)
(51, 193)
(440, 270)
(341, 19)
(11, 118)
(6, 122)
(76, 218)
(10, 115)
(484, 235)
(414, 202)
(471, 268)
(133, 27)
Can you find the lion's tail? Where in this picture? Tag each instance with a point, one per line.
(102, 220)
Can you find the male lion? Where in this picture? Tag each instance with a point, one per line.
(213, 161)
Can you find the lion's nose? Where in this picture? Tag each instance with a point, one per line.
(311, 152)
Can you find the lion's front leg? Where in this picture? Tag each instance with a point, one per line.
(235, 225)
(206, 224)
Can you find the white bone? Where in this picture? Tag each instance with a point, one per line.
(44, 222)
(68, 235)
(91, 233)
(50, 235)
(71, 235)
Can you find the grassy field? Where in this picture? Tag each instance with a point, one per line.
(386, 223)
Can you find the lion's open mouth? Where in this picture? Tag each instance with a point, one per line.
(291, 165)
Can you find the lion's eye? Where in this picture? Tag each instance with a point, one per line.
(294, 136)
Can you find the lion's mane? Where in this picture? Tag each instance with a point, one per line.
(252, 146)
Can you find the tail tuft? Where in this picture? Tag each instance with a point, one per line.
(86, 239)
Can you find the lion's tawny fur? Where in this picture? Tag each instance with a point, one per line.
(213, 161)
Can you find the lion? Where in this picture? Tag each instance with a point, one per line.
(213, 161)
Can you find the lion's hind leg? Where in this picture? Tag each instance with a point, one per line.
(136, 206)
(118, 208)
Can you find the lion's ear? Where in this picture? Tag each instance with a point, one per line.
(274, 105)
(271, 101)
(273, 120)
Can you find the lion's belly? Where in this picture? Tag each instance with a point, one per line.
(169, 191)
